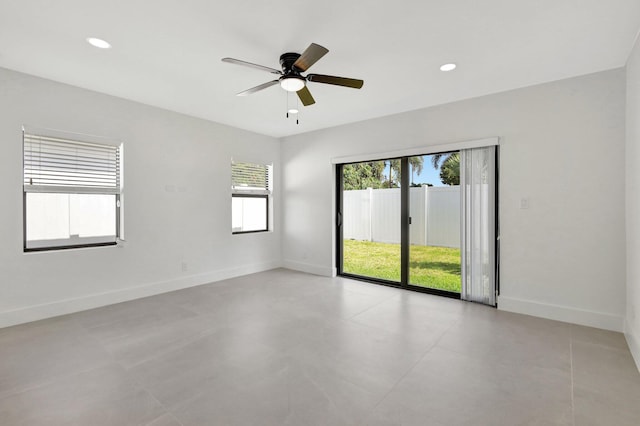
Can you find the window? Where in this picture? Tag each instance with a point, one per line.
(72, 192)
(251, 191)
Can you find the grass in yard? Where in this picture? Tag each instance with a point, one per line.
(433, 267)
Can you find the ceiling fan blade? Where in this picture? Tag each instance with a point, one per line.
(338, 81)
(305, 96)
(258, 88)
(310, 56)
(251, 65)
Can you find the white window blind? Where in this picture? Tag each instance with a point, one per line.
(61, 165)
(251, 178)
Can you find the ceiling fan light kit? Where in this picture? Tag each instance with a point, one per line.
(291, 78)
(292, 83)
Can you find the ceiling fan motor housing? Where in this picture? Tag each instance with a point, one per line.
(286, 61)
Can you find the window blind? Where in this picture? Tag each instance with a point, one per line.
(249, 177)
(69, 166)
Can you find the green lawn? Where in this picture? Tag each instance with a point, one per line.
(433, 267)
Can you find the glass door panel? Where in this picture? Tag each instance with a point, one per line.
(371, 220)
(434, 232)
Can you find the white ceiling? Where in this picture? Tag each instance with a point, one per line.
(167, 53)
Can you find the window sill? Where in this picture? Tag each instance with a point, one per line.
(262, 231)
(66, 248)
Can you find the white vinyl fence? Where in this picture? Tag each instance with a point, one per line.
(374, 215)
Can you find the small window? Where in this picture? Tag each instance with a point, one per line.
(72, 192)
(251, 191)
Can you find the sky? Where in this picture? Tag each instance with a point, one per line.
(429, 174)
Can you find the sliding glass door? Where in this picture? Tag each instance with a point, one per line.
(371, 217)
(434, 210)
(405, 222)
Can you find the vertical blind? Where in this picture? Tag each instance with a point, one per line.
(478, 192)
(250, 177)
(69, 166)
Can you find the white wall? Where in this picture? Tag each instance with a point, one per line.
(177, 203)
(632, 326)
(562, 147)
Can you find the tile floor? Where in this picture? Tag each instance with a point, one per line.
(287, 348)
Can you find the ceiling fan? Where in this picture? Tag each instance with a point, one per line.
(291, 79)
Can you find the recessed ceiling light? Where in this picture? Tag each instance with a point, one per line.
(98, 42)
(448, 67)
(293, 111)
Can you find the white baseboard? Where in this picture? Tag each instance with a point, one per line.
(68, 306)
(562, 313)
(633, 340)
(309, 268)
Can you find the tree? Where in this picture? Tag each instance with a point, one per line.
(435, 159)
(373, 174)
(363, 175)
(416, 164)
(449, 169)
(394, 168)
(389, 184)
(393, 181)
